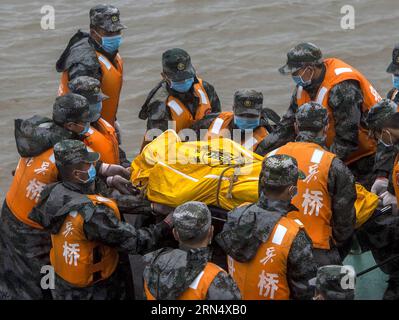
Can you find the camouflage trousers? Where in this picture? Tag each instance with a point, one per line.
(23, 252)
(112, 288)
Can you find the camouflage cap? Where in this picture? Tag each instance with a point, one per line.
(176, 64)
(303, 54)
(335, 282)
(69, 152)
(379, 113)
(280, 170)
(311, 116)
(248, 102)
(191, 220)
(394, 65)
(106, 17)
(88, 87)
(71, 108)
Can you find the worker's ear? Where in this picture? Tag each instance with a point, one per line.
(175, 234)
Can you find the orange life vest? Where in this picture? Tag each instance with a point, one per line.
(111, 85)
(265, 276)
(31, 176)
(313, 199)
(336, 72)
(104, 141)
(72, 254)
(181, 115)
(223, 120)
(395, 177)
(198, 289)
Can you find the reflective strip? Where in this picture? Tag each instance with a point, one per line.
(250, 143)
(195, 283)
(106, 122)
(279, 234)
(178, 172)
(272, 153)
(105, 62)
(204, 100)
(91, 131)
(52, 158)
(299, 92)
(298, 222)
(338, 71)
(217, 125)
(102, 199)
(320, 96)
(175, 106)
(317, 155)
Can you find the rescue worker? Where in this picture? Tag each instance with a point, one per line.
(86, 229)
(345, 93)
(386, 154)
(381, 234)
(101, 136)
(24, 255)
(335, 283)
(326, 197)
(186, 273)
(270, 255)
(181, 96)
(247, 118)
(96, 55)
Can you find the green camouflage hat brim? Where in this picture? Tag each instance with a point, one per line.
(289, 69)
(183, 75)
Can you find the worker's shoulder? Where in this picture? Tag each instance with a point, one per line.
(81, 52)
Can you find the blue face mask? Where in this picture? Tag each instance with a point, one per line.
(300, 82)
(395, 81)
(111, 44)
(91, 175)
(95, 110)
(182, 86)
(246, 123)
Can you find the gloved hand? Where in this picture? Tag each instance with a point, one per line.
(121, 184)
(109, 170)
(388, 199)
(380, 186)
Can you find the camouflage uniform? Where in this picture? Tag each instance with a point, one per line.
(311, 118)
(248, 226)
(24, 249)
(345, 100)
(335, 282)
(79, 57)
(90, 88)
(380, 233)
(100, 224)
(170, 272)
(240, 96)
(155, 110)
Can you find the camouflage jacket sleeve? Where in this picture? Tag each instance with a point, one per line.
(341, 187)
(223, 287)
(345, 101)
(213, 97)
(105, 227)
(384, 159)
(283, 133)
(301, 267)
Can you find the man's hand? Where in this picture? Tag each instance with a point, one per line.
(109, 170)
(387, 199)
(121, 184)
(380, 186)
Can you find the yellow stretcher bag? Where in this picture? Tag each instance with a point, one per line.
(219, 172)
